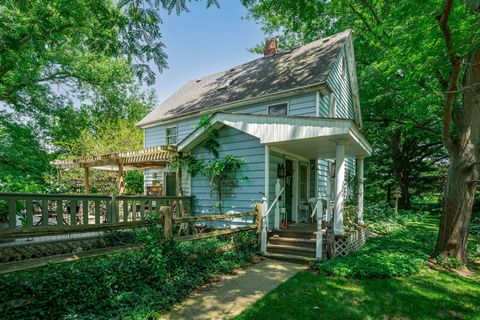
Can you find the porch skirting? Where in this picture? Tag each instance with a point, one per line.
(351, 241)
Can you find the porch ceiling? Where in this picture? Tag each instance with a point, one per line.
(309, 137)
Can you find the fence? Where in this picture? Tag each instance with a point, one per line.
(30, 214)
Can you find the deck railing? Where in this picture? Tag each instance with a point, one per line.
(30, 214)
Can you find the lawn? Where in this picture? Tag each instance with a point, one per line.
(341, 291)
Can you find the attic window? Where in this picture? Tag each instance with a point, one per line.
(280, 109)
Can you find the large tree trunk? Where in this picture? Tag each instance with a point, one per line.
(463, 173)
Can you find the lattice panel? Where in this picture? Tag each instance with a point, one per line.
(351, 241)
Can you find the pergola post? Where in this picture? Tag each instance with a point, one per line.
(121, 179)
(360, 189)
(87, 180)
(178, 182)
(339, 187)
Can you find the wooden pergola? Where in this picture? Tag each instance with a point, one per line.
(156, 157)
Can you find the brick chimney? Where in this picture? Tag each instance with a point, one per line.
(270, 47)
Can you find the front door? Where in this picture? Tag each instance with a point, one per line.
(288, 189)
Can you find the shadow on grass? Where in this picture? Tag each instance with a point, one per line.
(427, 295)
(374, 290)
(401, 253)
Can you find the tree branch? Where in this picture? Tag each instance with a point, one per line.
(455, 61)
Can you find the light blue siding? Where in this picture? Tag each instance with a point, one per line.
(155, 136)
(350, 172)
(340, 84)
(275, 159)
(302, 105)
(240, 145)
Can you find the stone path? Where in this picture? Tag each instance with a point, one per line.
(233, 294)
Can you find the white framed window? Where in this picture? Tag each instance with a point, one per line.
(333, 106)
(280, 109)
(171, 135)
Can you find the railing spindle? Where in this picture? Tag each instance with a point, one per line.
(29, 213)
(59, 212)
(45, 212)
(12, 213)
(85, 211)
(125, 210)
(73, 212)
(97, 211)
(142, 209)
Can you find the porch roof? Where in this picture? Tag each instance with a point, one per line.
(308, 137)
(157, 157)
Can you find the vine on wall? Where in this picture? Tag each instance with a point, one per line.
(221, 173)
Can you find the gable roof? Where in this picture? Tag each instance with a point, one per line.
(303, 66)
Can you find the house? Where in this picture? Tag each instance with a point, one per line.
(293, 116)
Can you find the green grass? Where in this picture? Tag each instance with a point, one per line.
(367, 285)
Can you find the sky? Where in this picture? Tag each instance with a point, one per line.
(204, 41)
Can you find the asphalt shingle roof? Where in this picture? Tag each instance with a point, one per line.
(305, 65)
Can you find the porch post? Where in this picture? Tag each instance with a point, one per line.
(339, 187)
(276, 221)
(360, 189)
(263, 237)
(121, 179)
(319, 238)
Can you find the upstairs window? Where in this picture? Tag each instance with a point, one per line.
(280, 109)
(171, 135)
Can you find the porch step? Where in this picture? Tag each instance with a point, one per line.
(297, 242)
(294, 234)
(291, 250)
(289, 258)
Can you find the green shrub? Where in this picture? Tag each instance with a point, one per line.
(400, 253)
(134, 284)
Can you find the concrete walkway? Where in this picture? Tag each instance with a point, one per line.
(233, 294)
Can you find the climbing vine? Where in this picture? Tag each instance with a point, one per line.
(221, 173)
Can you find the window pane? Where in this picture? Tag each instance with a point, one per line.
(278, 110)
(171, 135)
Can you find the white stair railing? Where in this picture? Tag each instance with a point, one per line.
(265, 212)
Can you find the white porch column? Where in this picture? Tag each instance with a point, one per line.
(360, 189)
(263, 236)
(339, 187)
(276, 220)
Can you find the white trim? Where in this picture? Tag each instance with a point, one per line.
(332, 106)
(322, 86)
(279, 129)
(276, 104)
(352, 77)
(288, 154)
(317, 104)
(176, 134)
(295, 190)
(267, 172)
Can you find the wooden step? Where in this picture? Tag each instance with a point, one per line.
(289, 258)
(297, 242)
(291, 250)
(294, 234)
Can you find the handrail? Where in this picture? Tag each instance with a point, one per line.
(274, 201)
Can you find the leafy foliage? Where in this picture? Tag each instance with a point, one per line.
(401, 252)
(134, 284)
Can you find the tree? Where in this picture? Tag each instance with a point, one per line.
(404, 71)
(461, 124)
(406, 142)
(70, 67)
